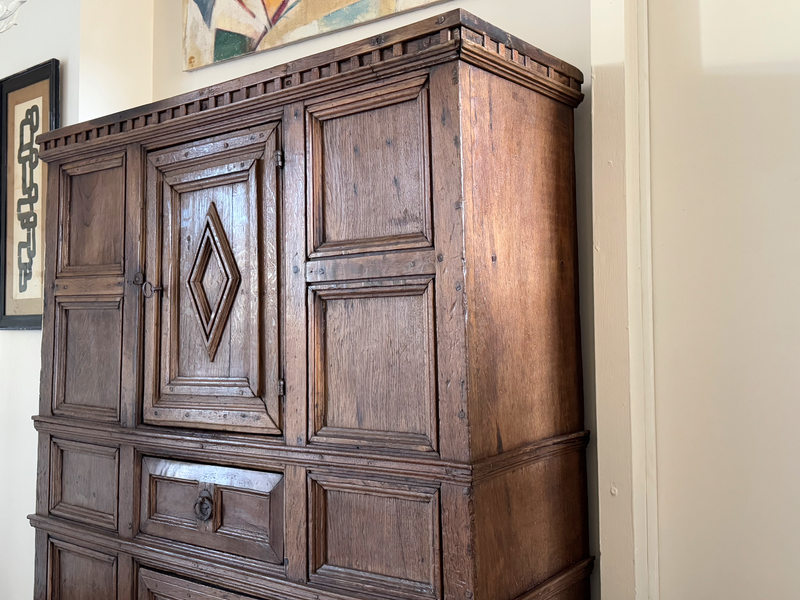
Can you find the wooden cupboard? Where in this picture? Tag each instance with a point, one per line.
(313, 333)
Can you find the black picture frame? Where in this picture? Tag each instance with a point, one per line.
(46, 71)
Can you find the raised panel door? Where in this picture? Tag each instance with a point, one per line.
(211, 313)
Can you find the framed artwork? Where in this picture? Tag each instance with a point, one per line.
(29, 106)
(217, 30)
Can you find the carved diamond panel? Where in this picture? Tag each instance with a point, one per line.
(213, 281)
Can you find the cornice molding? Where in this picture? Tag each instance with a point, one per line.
(452, 35)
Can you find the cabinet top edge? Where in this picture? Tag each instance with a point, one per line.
(466, 36)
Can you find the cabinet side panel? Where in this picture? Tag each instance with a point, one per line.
(522, 333)
(530, 528)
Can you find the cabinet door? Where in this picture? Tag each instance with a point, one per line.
(211, 323)
(371, 269)
(91, 313)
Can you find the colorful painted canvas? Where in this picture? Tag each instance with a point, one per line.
(216, 30)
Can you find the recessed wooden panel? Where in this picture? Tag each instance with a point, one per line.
(77, 573)
(375, 535)
(84, 482)
(245, 514)
(232, 510)
(172, 502)
(88, 358)
(373, 379)
(93, 216)
(370, 164)
(212, 332)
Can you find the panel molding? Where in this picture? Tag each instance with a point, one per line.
(158, 586)
(58, 507)
(262, 453)
(394, 92)
(428, 42)
(64, 304)
(319, 485)
(560, 582)
(58, 547)
(319, 430)
(66, 173)
(215, 245)
(530, 453)
(391, 264)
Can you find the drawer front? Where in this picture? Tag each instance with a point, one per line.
(223, 508)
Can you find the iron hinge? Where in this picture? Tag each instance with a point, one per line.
(281, 387)
(279, 161)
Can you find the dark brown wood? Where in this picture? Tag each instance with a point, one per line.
(88, 357)
(293, 239)
(157, 586)
(451, 313)
(520, 250)
(372, 361)
(434, 40)
(296, 516)
(369, 168)
(312, 334)
(92, 212)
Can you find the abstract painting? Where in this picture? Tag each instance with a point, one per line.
(217, 30)
(28, 108)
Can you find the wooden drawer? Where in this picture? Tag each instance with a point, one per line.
(223, 508)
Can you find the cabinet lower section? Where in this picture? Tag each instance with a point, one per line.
(278, 529)
(84, 566)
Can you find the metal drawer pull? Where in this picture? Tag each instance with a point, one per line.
(204, 506)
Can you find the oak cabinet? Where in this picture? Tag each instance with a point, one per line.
(313, 334)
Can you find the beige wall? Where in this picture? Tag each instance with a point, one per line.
(46, 29)
(725, 82)
(116, 56)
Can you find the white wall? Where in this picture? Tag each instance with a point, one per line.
(46, 29)
(725, 78)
